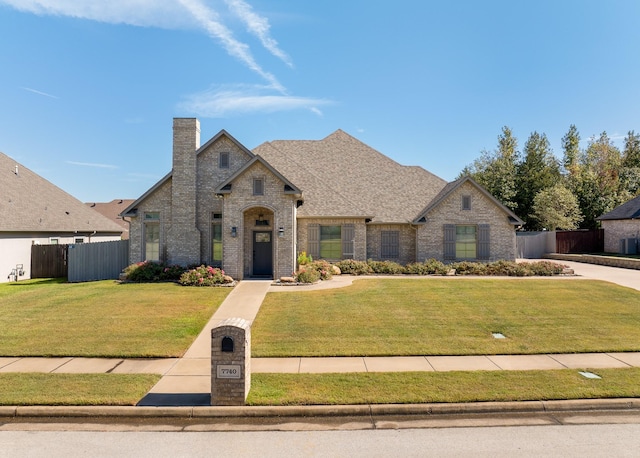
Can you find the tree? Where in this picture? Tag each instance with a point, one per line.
(497, 171)
(539, 170)
(598, 186)
(571, 149)
(557, 208)
(631, 153)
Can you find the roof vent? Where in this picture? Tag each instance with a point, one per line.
(16, 170)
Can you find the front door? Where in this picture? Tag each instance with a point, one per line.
(262, 254)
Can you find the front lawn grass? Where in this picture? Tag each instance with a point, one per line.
(74, 389)
(449, 316)
(427, 387)
(103, 318)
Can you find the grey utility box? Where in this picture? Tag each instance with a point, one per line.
(230, 362)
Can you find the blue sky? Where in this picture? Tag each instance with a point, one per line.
(88, 89)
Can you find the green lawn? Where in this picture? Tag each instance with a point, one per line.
(425, 387)
(442, 316)
(74, 389)
(102, 319)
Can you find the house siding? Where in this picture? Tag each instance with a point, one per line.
(407, 236)
(616, 230)
(431, 235)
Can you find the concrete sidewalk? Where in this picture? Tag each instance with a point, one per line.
(186, 380)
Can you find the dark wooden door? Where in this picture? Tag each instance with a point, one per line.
(263, 254)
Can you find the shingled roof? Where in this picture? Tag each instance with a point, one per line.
(29, 203)
(628, 210)
(342, 177)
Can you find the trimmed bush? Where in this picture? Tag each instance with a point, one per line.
(353, 267)
(385, 267)
(307, 276)
(148, 271)
(429, 267)
(322, 267)
(507, 268)
(544, 268)
(469, 268)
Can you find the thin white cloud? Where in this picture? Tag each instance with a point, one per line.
(90, 164)
(259, 26)
(171, 14)
(239, 99)
(40, 92)
(209, 20)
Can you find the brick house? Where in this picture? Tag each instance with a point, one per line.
(252, 212)
(622, 228)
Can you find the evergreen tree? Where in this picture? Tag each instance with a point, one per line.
(539, 170)
(630, 173)
(571, 149)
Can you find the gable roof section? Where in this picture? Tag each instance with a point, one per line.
(130, 210)
(628, 210)
(224, 187)
(451, 187)
(343, 177)
(29, 203)
(112, 211)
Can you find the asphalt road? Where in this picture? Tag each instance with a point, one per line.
(620, 440)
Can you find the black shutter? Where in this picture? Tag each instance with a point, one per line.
(313, 240)
(348, 236)
(484, 241)
(449, 242)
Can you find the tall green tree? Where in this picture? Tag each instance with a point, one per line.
(538, 170)
(630, 173)
(571, 151)
(599, 180)
(557, 207)
(631, 152)
(497, 171)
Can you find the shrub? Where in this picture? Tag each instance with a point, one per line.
(507, 268)
(304, 258)
(544, 268)
(469, 268)
(385, 267)
(149, 271)
(429, 267)
(307, 276)
(204, 276)
(353, 267)
(322, 267)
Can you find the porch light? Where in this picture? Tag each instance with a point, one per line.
(234, 231)
(281, 232)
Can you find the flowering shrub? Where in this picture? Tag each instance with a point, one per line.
(307, 276)
(149, 271)
(323, 268)
(204, 276)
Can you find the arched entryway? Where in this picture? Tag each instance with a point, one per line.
(259, 242)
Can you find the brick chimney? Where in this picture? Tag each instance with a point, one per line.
(183, 242)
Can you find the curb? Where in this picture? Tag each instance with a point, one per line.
(367, 410)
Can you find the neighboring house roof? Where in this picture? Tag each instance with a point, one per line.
(451, 187)
(342, 177)
(112, 211)
(29, 203)
(628, 210)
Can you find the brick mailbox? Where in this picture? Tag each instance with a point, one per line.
(230, 362)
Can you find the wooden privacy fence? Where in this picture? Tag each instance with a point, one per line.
(580, 241)
(97, 261)
(48, 261)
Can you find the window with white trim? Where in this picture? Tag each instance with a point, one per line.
(152, 236)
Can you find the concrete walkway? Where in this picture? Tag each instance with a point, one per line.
(186, 380)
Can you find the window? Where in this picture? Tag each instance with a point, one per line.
(390, 244)
(152, 236)
(216, 239)
(78, 240)
(223, 162)
(466, 242)
(466, 202)
(330, 242)
(54, 241)
(258, 187)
